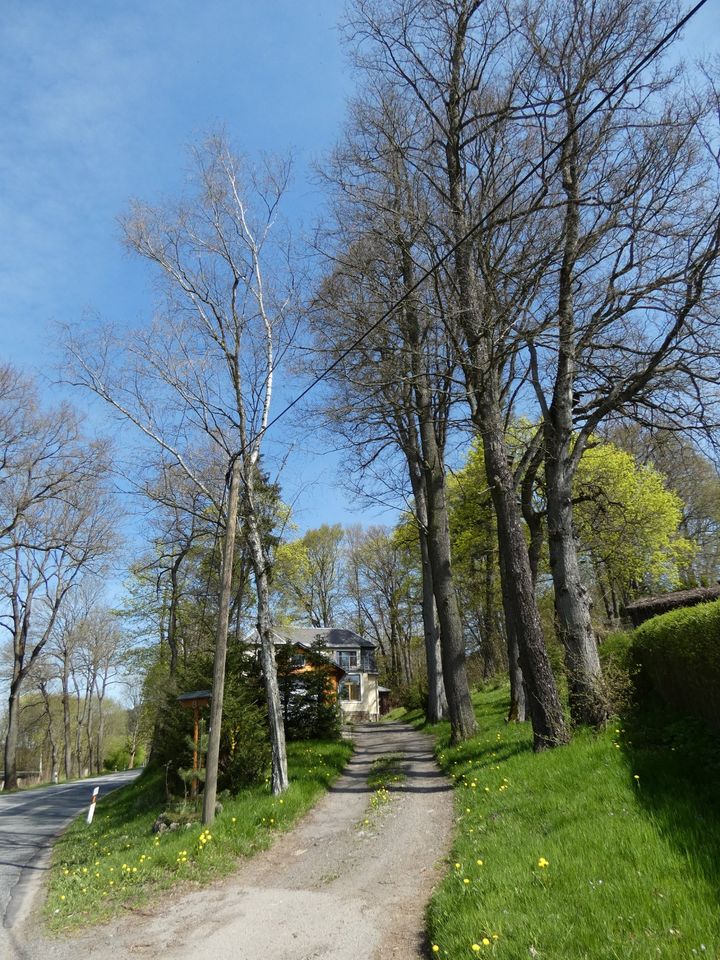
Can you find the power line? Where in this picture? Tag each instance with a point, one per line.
(640, 65)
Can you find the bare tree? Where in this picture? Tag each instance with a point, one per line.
(620, 320)
(52, 543)
(206, 366)
(448, 61)
(386, 582)
(395, 392)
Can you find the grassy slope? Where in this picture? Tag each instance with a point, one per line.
(118, 864)
(627, 820)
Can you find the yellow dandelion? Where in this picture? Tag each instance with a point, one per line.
(486, 942)
(542, 863)
(476, 947)
(435, 947)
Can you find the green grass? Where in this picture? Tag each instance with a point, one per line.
(607, 848)
(117, 864)
(397, 713)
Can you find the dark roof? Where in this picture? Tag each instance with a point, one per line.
(333, 637)
(646, 607)
(195, 695)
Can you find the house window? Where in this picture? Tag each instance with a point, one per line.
(349, 689)
(348, 659)
(297, 661)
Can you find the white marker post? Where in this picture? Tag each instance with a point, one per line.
(91, 811)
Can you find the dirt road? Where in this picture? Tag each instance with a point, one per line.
(333, 888)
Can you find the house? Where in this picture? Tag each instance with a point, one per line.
(356, 675)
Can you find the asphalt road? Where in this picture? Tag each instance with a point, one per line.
(29, 822)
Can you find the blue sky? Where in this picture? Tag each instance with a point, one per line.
(100, 102)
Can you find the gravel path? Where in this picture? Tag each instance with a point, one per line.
(333, 888)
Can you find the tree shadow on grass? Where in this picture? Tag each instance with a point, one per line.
(677, 761)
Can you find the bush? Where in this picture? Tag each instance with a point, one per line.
(309, 699)
(412, 696)
(678, 654)
(244, 747)
(620, 671)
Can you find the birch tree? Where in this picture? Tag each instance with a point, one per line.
(205, 367)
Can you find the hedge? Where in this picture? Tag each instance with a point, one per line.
(678, 653)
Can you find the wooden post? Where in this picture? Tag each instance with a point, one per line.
(196, 740)
(218, 689)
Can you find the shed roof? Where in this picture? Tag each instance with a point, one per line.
(646, 607)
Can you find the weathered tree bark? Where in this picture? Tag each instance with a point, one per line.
(588, 701)
(482, 374)
(218, 687)
(437, 699)
(518, 700)
(279, 776)
(11, 737)
(521, 613)
(452, 646)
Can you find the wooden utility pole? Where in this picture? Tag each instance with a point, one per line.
(218, 689)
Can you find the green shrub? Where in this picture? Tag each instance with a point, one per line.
(620, 671)
(411, 696)
(244, 747)
(309, 699)
(678, 654)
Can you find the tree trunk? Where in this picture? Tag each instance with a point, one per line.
(437, 700)
(521, 613)
(78, 735)
(218, 688)
(172, 613)
(90, 737)
(452, 645)
(482, 375)
(67, 726)
(11, 739)
(100, 736)
(50, 733)
(518, 698)
(279, 776)
(588, 703)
